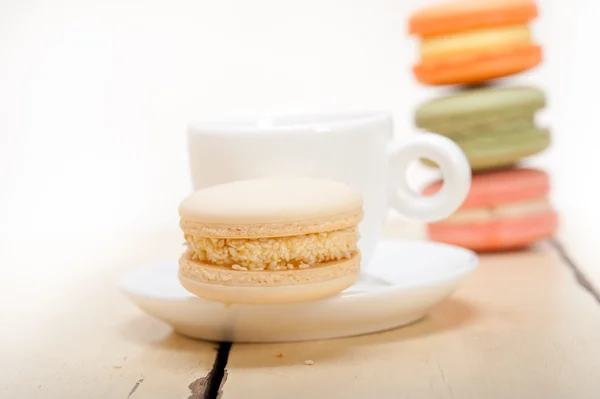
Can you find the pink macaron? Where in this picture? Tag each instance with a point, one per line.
(504, 210)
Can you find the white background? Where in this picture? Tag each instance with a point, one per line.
(95, 97)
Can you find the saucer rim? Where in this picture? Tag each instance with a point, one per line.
(464, 269)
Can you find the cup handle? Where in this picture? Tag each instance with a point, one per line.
(455, 170)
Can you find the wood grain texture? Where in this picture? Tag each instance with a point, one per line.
(68, 333)
(519, 327)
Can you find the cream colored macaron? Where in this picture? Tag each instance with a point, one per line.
(271, 241)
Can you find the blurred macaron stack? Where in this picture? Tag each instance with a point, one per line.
(466, 45)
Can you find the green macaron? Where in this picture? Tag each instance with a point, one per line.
(495, 127)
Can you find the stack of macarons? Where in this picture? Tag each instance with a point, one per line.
(469, 43)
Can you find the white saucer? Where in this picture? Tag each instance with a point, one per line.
(405, 280)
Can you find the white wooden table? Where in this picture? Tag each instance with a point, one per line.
(520, 327)
(68, 333)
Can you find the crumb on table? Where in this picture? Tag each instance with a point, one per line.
(280, 355)
(309, 362)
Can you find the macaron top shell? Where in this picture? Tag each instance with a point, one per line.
(480, 102)
(501, 187)
(464, 15)
(289, 205)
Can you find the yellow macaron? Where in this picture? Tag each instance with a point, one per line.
(272, 240)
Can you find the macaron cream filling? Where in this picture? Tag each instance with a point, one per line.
(503, 142)
(275, 253)
(461, 126)
(474, 41)
(505, 211)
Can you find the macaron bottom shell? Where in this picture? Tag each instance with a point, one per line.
(496, 235)
(480, 67)
(266, 287)
(500, 151)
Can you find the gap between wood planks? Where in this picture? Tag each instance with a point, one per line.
(218, 373)
(580, 276)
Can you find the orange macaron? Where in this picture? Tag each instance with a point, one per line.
(507, 209)
(471, 41)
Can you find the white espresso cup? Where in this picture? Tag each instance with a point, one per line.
(356, 148)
